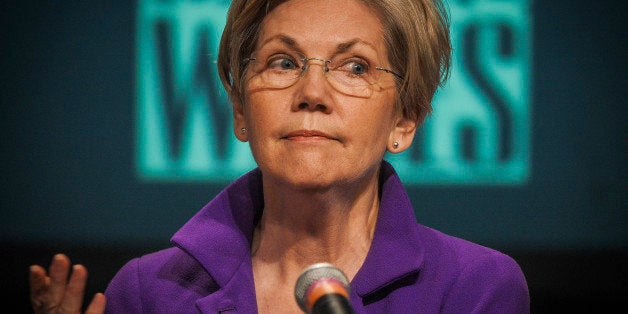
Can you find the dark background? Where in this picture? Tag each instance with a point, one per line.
(67, 100)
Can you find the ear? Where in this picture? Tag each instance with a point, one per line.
(239, 121)
(401, 135)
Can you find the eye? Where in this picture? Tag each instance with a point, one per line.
(282, 63)
(354, 67)
(358, 68)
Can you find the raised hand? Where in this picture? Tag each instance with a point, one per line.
(53, 292)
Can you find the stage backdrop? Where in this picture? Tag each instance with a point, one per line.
(116, 128)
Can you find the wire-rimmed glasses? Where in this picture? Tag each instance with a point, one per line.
(348, 74)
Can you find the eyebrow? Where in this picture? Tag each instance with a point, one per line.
(282, 38)
(340, 48)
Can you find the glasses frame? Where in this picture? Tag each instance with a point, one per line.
(326, 62)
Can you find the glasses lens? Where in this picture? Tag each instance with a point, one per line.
(351, 76)
(276, 70)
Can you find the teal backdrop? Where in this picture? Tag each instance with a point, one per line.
(115, 131)
(479, 133)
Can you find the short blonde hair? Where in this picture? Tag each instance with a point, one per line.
(416, 34)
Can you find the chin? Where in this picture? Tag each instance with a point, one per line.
(313, 183)
(301, 178)
(309, 180)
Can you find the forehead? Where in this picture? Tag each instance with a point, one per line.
(323, 25)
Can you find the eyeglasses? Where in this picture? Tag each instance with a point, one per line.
(349, 75)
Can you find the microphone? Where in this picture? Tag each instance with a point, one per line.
(323, 289)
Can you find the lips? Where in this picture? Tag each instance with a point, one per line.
(307, 135)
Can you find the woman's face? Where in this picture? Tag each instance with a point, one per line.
(312, 134)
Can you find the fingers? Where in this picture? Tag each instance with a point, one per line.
(54, 292)
(38, 283)
(47, 290)
(58, 272)
(97, 306)
(74, 291)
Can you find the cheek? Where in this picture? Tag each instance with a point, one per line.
(374, 119)
(257, 109)
(265, 112)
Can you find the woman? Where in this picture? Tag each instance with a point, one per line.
(321, 89)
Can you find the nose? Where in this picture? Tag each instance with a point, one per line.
(322, 62)
(318, 77)
(313, 90)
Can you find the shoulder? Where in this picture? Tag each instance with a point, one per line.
(457, 251)
(157, 280)
(458, 256)
(474, 277)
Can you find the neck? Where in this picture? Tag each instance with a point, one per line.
(302, 227)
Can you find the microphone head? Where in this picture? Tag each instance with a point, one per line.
(316, 275)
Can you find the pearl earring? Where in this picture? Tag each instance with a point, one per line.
(395, 145)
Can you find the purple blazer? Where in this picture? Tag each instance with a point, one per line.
(409, 268)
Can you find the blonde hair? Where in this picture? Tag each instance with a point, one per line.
(416, 34)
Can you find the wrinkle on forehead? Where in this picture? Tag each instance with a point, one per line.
(324, 22)
(294, 45)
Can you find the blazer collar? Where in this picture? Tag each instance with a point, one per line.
(396, 251)
(219, 236)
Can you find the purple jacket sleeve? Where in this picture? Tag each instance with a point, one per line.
(123, 292)
(493, 283)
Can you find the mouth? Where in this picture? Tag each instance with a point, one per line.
(307, 135)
